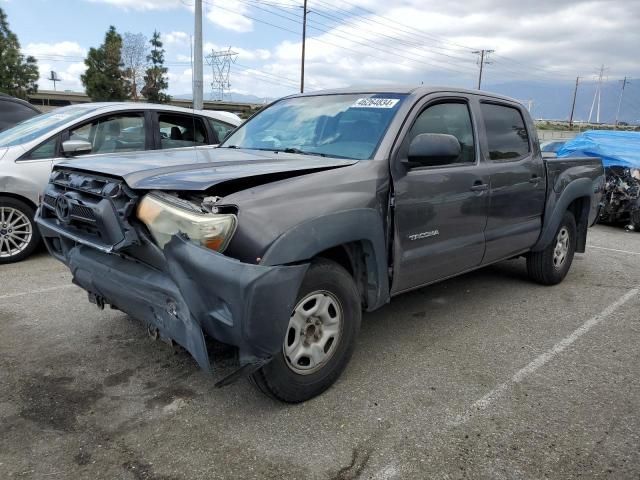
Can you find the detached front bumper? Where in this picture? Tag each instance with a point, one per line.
(200, 290)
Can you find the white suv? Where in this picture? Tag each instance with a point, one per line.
(29, 150)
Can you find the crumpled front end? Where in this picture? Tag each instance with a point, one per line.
(182, 291)
(201, 291)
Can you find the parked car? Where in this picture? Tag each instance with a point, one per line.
(320, 206)
(13, 111)
(30, 149)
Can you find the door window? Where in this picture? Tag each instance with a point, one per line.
(43, 151)
(506, 132)
(220, 129)
(114, 133)
(178, 131)
(450, 119)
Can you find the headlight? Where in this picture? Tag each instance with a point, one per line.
(164, 220)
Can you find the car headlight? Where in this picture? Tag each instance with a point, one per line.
(211, 230)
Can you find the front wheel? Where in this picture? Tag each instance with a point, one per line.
(19, 236)
(551, 265)
(320, 337)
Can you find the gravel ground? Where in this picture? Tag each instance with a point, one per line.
(483, 376)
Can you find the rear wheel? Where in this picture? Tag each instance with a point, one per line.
(320, 337)
(19, 236)
(551, 265)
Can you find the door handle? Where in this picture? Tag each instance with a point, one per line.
(534, 179)
(479, 187)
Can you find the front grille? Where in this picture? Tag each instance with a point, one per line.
(50, 201)
(82, 212)
(97, 212)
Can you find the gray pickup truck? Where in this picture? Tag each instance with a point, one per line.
(319, 207)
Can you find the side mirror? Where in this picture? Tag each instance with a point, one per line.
(433, 149)
(76, 147)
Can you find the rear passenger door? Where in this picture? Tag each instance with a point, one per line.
(440, 211)
(517, 180)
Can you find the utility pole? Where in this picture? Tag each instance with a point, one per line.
(573, 105)
(597, 95)
(624, 84)
(483, 60)
(198, 80)
(304, 41)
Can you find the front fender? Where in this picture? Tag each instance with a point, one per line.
(309, 238)
(557, 205)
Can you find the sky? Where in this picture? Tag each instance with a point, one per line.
(350, 42)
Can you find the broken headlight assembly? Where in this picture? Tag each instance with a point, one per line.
(166, 216)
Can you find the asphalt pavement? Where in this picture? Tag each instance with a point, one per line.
(484, 376)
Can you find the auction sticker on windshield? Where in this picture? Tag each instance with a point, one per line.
(375, 103)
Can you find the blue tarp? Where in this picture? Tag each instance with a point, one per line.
(614, 147)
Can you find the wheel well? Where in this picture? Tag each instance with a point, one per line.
(351, 256)
(19, 197)
(580, 208)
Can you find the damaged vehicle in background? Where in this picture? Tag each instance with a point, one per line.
(319, 207)
(620, 154)
(31, 148)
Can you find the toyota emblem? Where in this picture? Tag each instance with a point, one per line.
(63, 209)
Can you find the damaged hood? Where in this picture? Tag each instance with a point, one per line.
(201, 168)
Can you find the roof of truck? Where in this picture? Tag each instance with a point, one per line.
(406, 89)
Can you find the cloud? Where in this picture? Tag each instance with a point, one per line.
(173, 38)
(141, 4)
(56, 49)
(243, 53)
(230, 16)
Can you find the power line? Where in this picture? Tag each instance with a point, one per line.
(375, 45)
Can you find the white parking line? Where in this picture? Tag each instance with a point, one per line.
(33, 292)
(613, 250)
(493, 395)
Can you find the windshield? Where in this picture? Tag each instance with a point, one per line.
(40, 125)
(345, 126)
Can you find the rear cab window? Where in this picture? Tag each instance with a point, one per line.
(507, 136)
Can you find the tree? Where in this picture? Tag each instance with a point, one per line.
(155, 81)
(18, 74)
(104, 79)
(134, 59)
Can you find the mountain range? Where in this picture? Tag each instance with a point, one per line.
(548, 101)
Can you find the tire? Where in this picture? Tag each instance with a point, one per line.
(19, 236)
(549, 266)
(291, 378)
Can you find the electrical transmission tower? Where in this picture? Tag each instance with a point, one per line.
(220, 63)
(483, 59)
(597, 95)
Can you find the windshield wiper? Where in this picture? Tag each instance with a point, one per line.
(298, 151)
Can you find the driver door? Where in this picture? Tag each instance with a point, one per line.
(440, 210)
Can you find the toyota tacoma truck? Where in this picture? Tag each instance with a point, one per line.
(318, 208)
